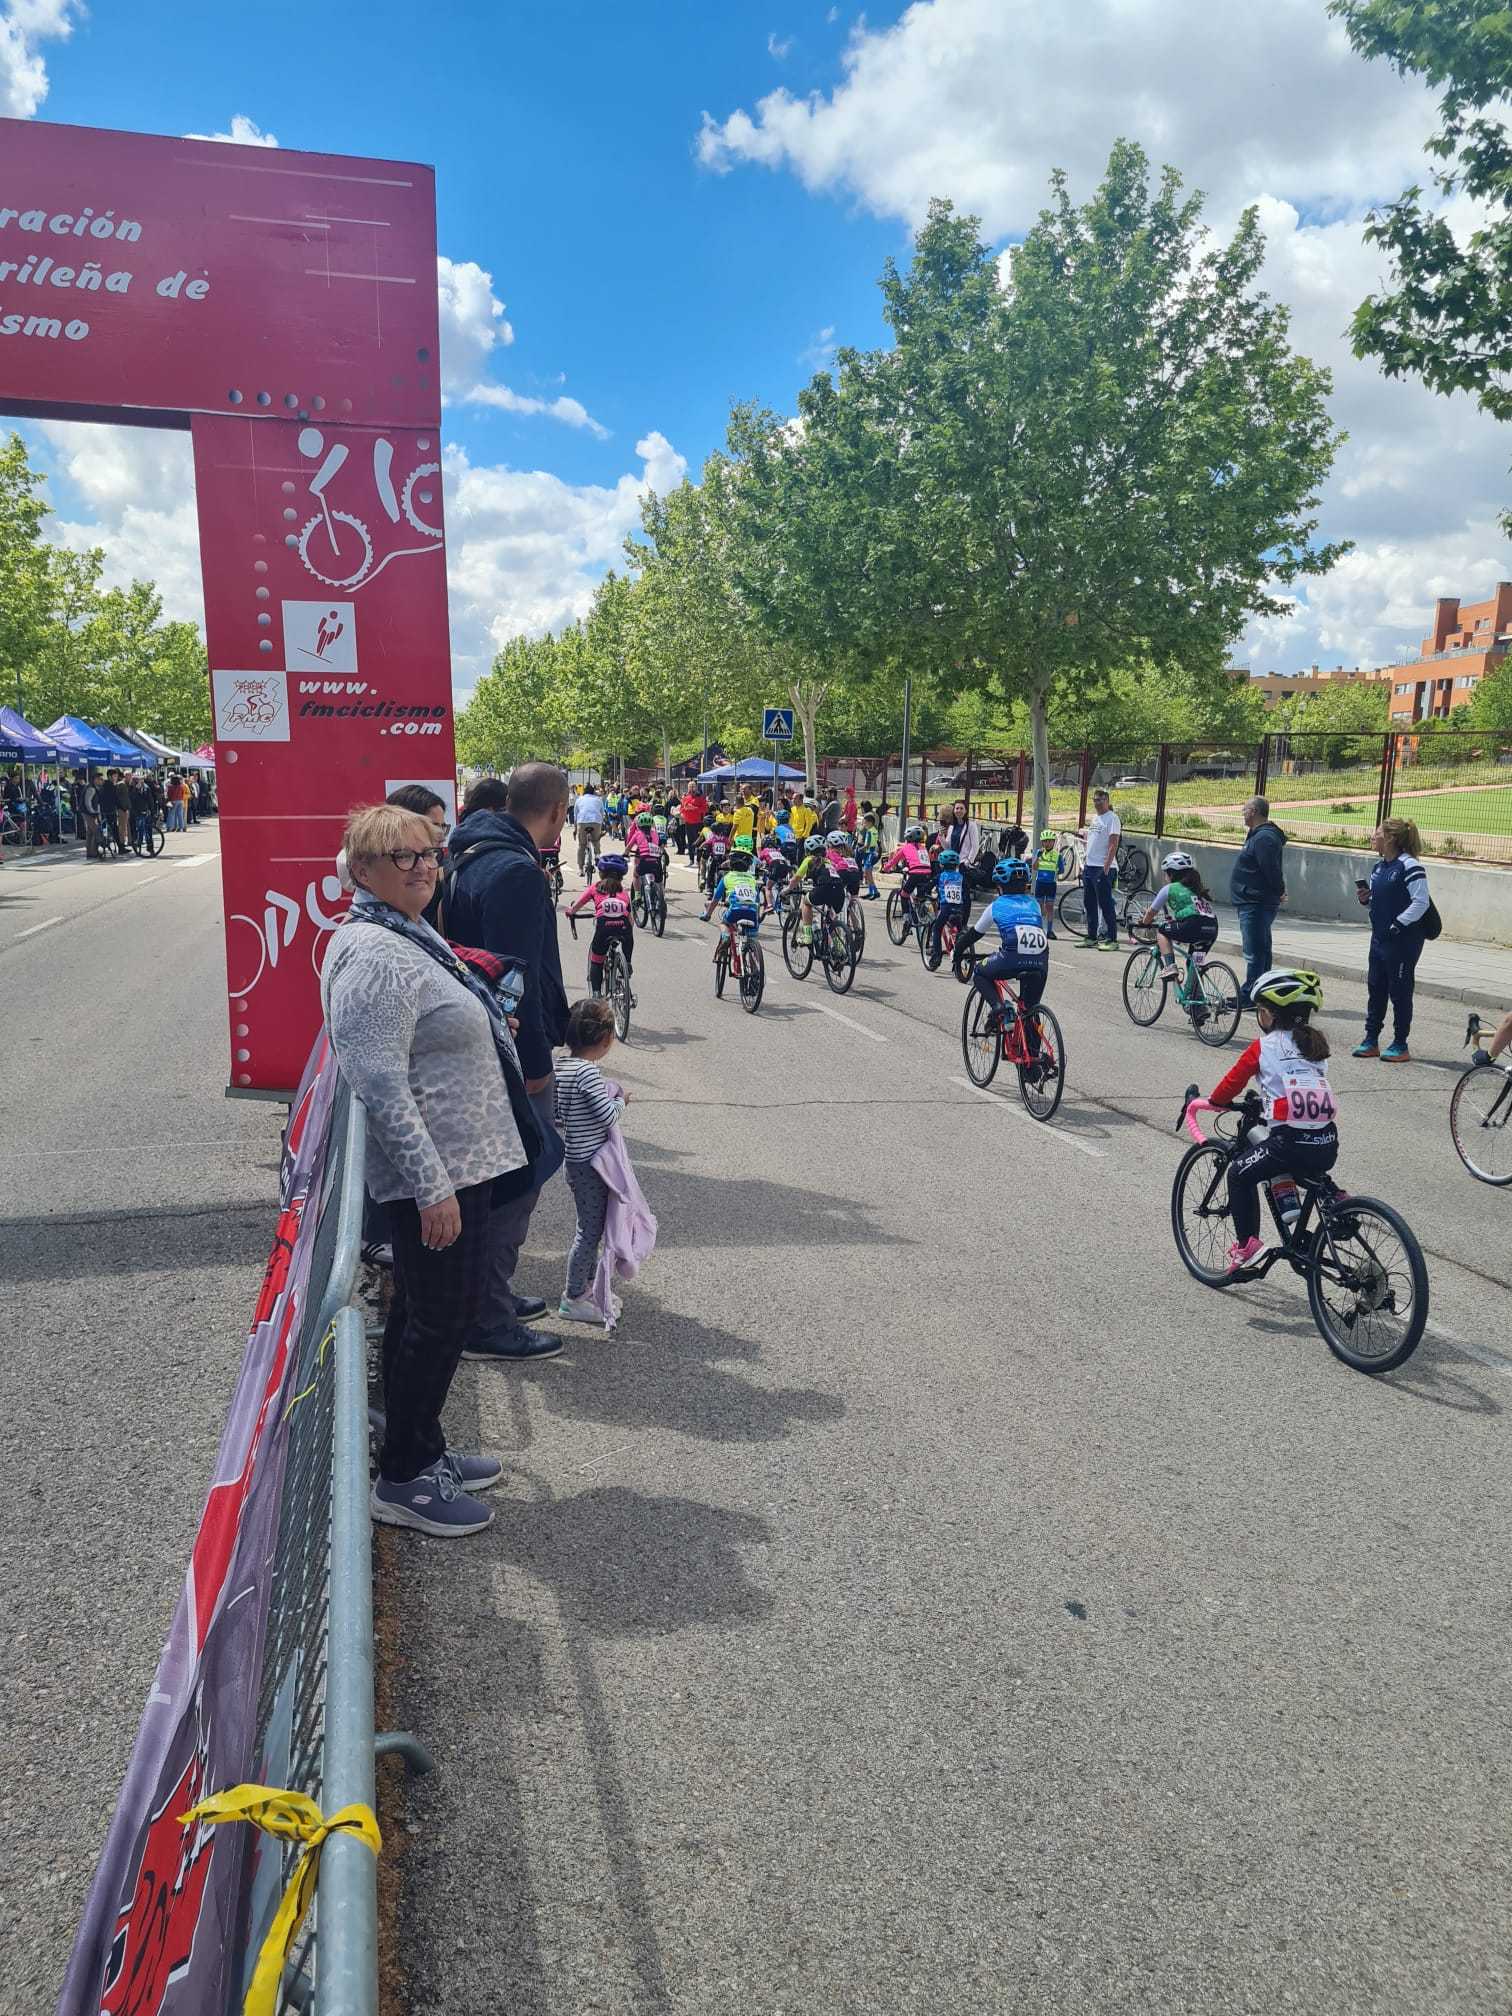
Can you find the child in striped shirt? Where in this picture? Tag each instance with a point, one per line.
(586, 1112)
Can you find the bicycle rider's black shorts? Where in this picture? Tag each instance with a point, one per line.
(1201, 933)
(826, 889)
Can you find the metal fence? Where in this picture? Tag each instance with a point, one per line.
(315, 1703)
(1330, 789)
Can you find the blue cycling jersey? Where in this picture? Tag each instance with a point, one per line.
(1020, 928)
(950, 888)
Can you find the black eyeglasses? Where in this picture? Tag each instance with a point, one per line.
(406, 858)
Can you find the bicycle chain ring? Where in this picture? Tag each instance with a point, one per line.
(423, 470)
(358, 574)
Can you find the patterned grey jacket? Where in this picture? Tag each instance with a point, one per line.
(417, 1049)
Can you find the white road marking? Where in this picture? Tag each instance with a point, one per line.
(194, 860)
(823, 1008)
(1481, 1353)
(31, 932)
(1022, 1113)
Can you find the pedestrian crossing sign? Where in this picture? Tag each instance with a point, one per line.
(777, 724)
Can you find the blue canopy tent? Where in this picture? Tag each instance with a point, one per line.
(751, 770)
(126, 753)
(79, 745)
(21, 743)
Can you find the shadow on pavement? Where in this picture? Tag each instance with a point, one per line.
(89, 1245)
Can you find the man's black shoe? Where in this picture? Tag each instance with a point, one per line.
(516, 1346)
(528, 1307)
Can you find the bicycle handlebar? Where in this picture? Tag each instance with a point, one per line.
(1189, 1114)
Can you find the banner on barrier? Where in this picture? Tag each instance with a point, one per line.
(167, 1909)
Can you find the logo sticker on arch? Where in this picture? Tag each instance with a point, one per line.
(251, 706)
(320, 636)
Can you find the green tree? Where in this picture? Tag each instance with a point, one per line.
(1351, 714)
(25, 570)
(1446, 320)
(1490, 709)
(1114, 460)
(524, 706)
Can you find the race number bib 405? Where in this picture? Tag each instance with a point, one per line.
(1030, 939)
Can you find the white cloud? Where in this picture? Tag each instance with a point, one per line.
(525, 549)
(24, 24)
(138, 485)
(978, 99)
(820, 353)
(244, 132)
(473, 328)
(776, 48)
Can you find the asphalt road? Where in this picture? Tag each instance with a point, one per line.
(135, 1215)
(934, 1600)
(931, 1600)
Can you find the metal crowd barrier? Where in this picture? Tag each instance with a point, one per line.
(315, 1703)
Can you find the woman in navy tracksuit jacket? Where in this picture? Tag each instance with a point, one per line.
(1397, 898)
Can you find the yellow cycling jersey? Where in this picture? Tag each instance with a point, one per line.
(803, 819)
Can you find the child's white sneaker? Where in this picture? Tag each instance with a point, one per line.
(578, 1309)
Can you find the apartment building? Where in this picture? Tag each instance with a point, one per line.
(1274, 687)
(1468, 641)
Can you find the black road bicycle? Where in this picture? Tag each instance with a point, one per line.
(1480, 1116)
(1367, 1280)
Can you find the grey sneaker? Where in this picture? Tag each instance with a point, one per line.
(473, 1473)
(430, 1503)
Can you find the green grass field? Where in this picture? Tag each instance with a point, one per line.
(1434, 811)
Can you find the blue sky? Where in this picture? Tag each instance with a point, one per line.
(680, 205)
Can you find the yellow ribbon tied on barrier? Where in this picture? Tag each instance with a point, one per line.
(296, 1818)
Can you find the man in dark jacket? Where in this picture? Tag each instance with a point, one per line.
(498, 899)
(1257, 889)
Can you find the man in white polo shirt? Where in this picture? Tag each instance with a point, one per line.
(588, 824)
(1104, 833)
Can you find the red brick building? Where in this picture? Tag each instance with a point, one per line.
(1468, 642)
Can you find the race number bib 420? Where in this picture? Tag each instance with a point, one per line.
(1030, 939)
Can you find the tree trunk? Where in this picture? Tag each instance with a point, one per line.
(1040, 746)
(807, 710)
(666, 741)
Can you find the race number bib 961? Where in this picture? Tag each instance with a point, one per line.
(1030, 939)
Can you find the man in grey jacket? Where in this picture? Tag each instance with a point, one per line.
(1257, 889)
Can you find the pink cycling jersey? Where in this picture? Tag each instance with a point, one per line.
(638, 841)
(910, 856)
(607, 908)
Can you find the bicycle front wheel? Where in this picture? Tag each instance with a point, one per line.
(1144, 991)
(1480, 1123)
(1200, 1215)
(797, 955)
(752, 976)
(721, 967)
(1133, 867)
(1220, 1001)
(656, 900)
(1368, 1285)
(1042, 1082)
(839, 958)
(855, 919)
(981, 1040)
(1072, 909)
(638, 906)
(157, 840)
(895, 917)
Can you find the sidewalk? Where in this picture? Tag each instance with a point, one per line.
(1478, 975)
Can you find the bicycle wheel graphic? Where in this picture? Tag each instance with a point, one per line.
(354, 555)
(233, 991)
(406, 501)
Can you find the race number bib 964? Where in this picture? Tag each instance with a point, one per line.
(1305, 1101)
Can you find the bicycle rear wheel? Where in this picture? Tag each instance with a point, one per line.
(1200, 1215)
(1480, 1123)
(1220, 997)
(1133, 867)
(157, 839)
(617, 986)
(1368, 1285)
(981, 1040)
(839, 958)
(796, 956)
(1144, 991)
(1072, 909)
(895, 917)
(1042, 1082)
(1067, 864)
(752, 976)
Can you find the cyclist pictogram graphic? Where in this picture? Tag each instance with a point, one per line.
(338, 547)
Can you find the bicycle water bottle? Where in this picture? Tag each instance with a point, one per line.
(1284, 1196)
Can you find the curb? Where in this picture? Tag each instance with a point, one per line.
(1435, 990)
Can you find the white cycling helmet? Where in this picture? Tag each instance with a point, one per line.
(1177, 861)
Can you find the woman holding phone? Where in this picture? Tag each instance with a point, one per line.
(1396, 895)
